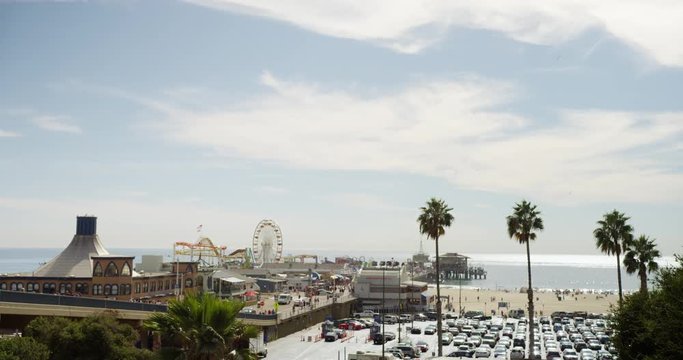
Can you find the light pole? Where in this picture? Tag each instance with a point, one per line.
(412, 292)
(460, 296)
(384, 339)
(398, 271)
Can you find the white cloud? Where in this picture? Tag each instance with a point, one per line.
(453, 130)
(365, 201)
(652, 27)
(269, 189)
(5, 133)
(56, 123)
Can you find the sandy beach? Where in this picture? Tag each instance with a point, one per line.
(545, 302)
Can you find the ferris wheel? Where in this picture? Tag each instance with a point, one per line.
(267, 243)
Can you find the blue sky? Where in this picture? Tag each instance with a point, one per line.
(339, 120)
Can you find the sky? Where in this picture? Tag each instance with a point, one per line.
(339, 120)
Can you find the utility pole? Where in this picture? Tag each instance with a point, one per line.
(398, 271)
(384, 339)
(412, 292)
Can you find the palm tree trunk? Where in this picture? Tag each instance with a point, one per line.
(438, 299)
(530, 293)
(642, 273)
(621, 295)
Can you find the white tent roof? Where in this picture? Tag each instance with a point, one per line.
(75, 259)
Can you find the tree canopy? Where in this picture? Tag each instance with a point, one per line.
(96, 337)
(641, 258)
(202, 327)
(650, 326)
(23, 348)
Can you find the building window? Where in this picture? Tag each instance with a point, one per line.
(168, 285)
(62, 288)
(81, 288)
(125, 270)
(200, 281)
(112, 270)
(188, 283)
(98, 269)
(160, 286)
(137, 288)
(188, 269)
(3, 286)
(46, 288)
(97, 289)
(114, 289)
(107, 290)
(29, 287)
(125, 289)
(145, 287)
(153, 286)
(13, 287)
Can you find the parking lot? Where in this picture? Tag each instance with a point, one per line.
(563, 337)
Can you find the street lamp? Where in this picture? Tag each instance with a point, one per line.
(398, 271)
(412, 292)
(460, 294)
(384, 339)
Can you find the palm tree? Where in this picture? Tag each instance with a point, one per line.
(435, 216)
(640, 257)
(202, 327)
(612, 237)
(521, 225)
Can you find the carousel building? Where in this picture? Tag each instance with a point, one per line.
(85, 268)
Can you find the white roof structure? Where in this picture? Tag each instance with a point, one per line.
(75, 260)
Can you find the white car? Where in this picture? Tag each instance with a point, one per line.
(482, 352)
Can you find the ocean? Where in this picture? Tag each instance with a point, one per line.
(504, 271)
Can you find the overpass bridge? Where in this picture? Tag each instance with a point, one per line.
(17, 309)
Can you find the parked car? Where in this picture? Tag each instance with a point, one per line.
(430, 330)
(517, 353)
(552, 354)
(446, 338)
(420, 317)
(284, 299)
(570, 354)
(379, 339)
(408, 350)
(422, 345)
(404, 318)
(331, 336)
(462, 351)
(482, 352)
(416, 330)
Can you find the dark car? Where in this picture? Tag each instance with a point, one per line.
(416, 330)
(431, 315)
(379, 339)
(463, 351)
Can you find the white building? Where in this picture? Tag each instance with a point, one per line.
(384, 286)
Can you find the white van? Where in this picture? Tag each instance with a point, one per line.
(284, 299)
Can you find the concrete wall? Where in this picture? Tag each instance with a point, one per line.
(308, 319)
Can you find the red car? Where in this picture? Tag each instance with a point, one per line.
(355, 325)
(344, 326)
(422, 345)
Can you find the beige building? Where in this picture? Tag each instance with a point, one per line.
(85, 268)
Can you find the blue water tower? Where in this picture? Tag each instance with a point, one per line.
(86, 225)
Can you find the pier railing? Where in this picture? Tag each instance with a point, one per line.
(64, 300)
